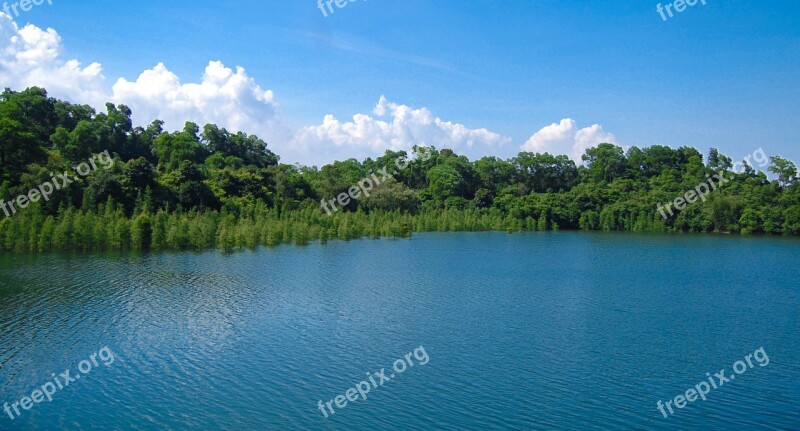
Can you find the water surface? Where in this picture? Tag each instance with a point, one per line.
(532, 331)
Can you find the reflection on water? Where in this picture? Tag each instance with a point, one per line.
(534, 331)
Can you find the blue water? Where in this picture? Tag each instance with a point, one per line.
(530, 332)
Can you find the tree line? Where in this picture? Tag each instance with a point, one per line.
(201, 188)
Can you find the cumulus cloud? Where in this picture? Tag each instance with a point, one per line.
(224, 97)
(229, 98)
(566, 138)
(394, 126)
(30, 56)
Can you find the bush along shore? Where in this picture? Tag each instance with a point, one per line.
(76, 179)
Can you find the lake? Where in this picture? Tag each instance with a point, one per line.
(532, 331)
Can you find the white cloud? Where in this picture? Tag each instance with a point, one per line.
(30, 56)
(566, 138)
(232, 100)
(395, 127)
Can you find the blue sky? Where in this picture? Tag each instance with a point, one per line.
(724, 74)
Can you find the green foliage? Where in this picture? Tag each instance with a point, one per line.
(199, 189)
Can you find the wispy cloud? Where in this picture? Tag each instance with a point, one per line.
(322, 37)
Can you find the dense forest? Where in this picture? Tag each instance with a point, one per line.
(205, 188)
